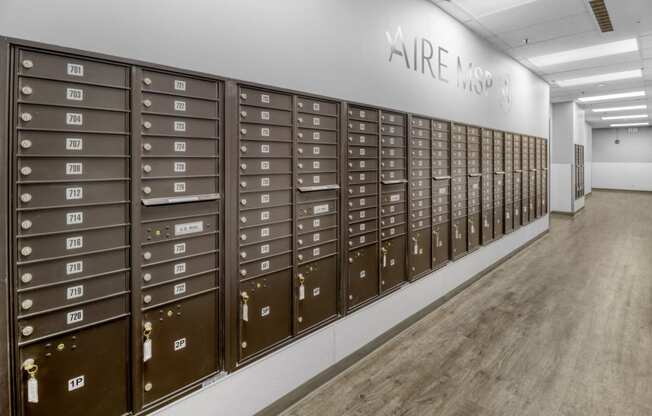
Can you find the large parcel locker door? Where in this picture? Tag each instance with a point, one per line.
(362, 195)
(544, 177)
(317, 212)
(538, 175)
(71, 280)
(499, 183)
(532, 177)
(420, 187)
(525, 180)
(518, 180)
(265, 220)
(487, 213)
(177, 158)
(458, 192)
(441, 193)
(474, 188)
(393, 200)
(508, 217)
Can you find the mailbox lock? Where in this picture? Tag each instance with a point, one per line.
(147, 168)
(243, 254)
(244, 344)
(243, 95)
(147, 255)
(243, 201)
(243, 237)
(300, 180)
(300, 119)
(147, 329)
(243, 184)
(243, 113)
(26, 170)
(147, 190)
(26, 225)
(27, 331)
(243, 131)
(26, 304)
(147, 146)
(243, 166)
(147, 103)
(300, 165)
(147, 298)
(26, 277)
(300, 135)
(300, 226)
(300, 105)
(28, 64)
(27, 90)
(26, 144)
(148, 386)
(300, 257)
(26, 251)
(300, 241)
(147, 277)
(243, 219)
(26, 117)
(243, 149)
(147, 81)
(300, 151)
(243, 272)
(300, 319)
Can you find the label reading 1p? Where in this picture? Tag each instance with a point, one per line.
(74, 143)
(74, 94)
(188, 228)
(73, 218)
(75, 317)
(75, 70)
(76, 383)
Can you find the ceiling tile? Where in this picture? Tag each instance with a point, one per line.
(551, 30)
(531, 14)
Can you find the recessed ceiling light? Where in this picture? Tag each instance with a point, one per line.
(593, 79)
(580, 54)
(612, 96)
(625, 117)
(629, 107)
(629, 124)
(484, 8)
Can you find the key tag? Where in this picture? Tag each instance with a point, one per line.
(302, 288)
(32, 384)
(384, 258)
(147, 345)
(416, 247)
(245, 307)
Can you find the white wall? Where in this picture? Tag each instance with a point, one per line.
(627, 165)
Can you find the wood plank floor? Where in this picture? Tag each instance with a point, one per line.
(563, 328)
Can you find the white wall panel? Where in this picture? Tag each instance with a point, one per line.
(627, 176)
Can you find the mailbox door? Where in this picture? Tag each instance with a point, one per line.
(317, 299)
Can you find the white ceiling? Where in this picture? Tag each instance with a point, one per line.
(557, 25)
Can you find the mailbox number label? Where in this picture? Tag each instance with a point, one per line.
(264, 265)
(179, 126)
(74, 119)
(74, 243)
(74, 168)
(76, 383)
(76, 70)
(74, 143)
(179, 146)
(179, 167)
(179, 344)
(264, 249)
(179, 85)
(179, 268)
(179, 289)
(180, 248)
(74, 267)
(180, 106)
(74, 94)
(179, 187)
(74, 292)
(73, 218)
(75, 317)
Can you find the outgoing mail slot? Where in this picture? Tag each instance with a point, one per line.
(363, 276)
(263, 183)
(363, 214)
(316, 292)
(253, 217)
(68, 68)
(179, 106)
(265, 313)
(440, 244)
(179, 147)
(257, 166)
(308, 225)
(362, 227)
(265, 266)
(266, 99)
(317, 136)
(420, 249)
(265, 199)
(265, 132)
(57, 93)
(362, 240)
(69, 268)
(157, 295)
(265, 149)
(317, 165)
(75, 376)
(45, 169)
(71, 119)
(363, 177)
(179, 85)
(55, 245)
(78, 145)
(316, 122)
(72, 318)
(179, 247)
(362, 190)
(390, 141)
(487, 226)
(362, 164)
(179, 167)
(175, 269)
(63, 295)
(266, 249)
(155, 125)
(265, 232)
(312, 253)
(178, 187)
(366, 202)
(182, 350)
(67, 219)
(318, 151)
(265, 116)
(392, 263)
(316, 209)
(362, 152)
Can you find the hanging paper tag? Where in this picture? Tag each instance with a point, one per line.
(302, 292)
(416, 248)
(384, 260)
(32, 390)
(147, 350)
(245, 312)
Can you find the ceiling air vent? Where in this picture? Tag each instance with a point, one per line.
(601, 15)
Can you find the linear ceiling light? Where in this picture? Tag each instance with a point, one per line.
(484, 8)
(595, 79)
(629, 107)
(581, 54)
(625, 117)
(629, 124)
(611, 96)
